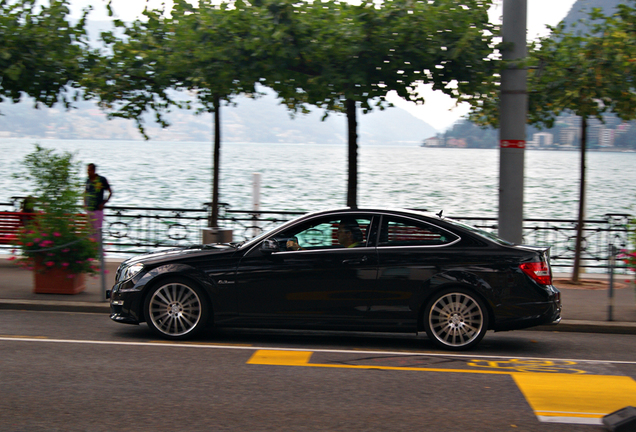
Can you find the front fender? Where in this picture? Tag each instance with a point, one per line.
(162, 272)
(174, 269)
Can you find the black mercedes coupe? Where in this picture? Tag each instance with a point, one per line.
(357, 270)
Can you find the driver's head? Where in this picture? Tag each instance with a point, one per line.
(349, 232)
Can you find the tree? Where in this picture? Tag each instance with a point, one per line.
(588, 72)
(333, 55)
(206, 50)
(341, 57)
(41, 53)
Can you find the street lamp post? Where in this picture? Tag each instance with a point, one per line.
(512, 120)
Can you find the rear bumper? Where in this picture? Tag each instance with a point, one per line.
(548, 313)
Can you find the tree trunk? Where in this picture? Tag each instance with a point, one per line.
(352, 126)
(216, 157)
(579, 225)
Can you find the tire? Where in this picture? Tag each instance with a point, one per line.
(176, 309)
(456, 319)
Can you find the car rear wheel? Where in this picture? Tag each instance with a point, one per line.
(176, 309)
(456, 319)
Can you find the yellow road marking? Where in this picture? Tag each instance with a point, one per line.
(281, 358)
(554, 397)
(559, 397)
(301, 358)
(524, 365)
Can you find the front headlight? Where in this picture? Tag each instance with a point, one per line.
(131, 271)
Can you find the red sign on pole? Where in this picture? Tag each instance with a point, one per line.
(520, 144)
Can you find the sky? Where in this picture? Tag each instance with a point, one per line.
(439, 110)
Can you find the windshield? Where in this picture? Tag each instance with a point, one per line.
(263, 235)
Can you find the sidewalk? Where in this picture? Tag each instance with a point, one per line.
(585, 307)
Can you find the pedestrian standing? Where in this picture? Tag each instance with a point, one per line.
(94, 199)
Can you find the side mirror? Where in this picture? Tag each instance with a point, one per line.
(269, 246)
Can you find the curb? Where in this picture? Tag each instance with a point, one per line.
(581, 326)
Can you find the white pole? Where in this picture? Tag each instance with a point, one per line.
(256, 201)
(513, 112)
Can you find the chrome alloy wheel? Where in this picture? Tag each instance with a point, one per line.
(175, 309)
(456, 320)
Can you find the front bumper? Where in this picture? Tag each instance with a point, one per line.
(125, 304)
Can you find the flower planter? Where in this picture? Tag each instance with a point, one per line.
(57, 281)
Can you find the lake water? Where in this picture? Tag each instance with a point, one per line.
(462, 182)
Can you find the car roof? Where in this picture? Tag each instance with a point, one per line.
(411, 212)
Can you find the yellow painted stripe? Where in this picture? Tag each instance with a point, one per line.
(586, 396)
(281, 358)
(301, 358)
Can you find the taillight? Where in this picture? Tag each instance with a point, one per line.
(538, 271)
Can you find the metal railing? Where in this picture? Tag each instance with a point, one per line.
(133, 230)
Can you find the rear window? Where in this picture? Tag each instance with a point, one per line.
(396, 232)
(474, 230)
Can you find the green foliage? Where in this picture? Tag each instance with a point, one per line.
(328, 53)
(311, 53)
(56, 236)
(55, 179)
(588, 72)
(41, 53)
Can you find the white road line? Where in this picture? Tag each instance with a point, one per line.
(40, 339)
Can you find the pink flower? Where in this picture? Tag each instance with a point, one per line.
(65, 264)
(66, 250)
(44, 234)
(11, 258)
(57, 234)
(29, 244)
(49, 263)
(37, 240)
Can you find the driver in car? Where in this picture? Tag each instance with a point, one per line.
(349, 235)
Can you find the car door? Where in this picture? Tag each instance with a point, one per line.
(310, 280)
(410, 252)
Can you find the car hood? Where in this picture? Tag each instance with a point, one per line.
(184, 252)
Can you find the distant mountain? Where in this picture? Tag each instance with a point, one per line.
(581, 8)
(250, 120)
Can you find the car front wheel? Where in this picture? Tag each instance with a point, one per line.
(456, 319)
(176, 309)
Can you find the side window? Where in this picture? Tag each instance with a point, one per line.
(328, 233)
(399, 232)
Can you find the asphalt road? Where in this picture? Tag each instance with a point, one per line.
(72, 372)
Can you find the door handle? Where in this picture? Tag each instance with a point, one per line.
(355, 261)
